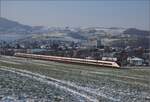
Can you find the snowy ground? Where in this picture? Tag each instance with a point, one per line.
(28, 80)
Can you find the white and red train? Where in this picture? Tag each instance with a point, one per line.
(69, 60)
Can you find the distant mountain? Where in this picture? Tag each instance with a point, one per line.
(12, 27)
(12, 30)
(134, 31)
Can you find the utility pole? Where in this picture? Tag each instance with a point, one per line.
(0, 7)
(0, 16)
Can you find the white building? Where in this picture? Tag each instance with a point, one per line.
(109, 58)
(93, 42)
(135, 61)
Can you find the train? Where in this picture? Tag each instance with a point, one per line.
(69, 60)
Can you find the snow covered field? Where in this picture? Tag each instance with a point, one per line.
(28, 80)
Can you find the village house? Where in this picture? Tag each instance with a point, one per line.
(135, 61)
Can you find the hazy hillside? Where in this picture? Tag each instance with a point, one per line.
(12, 30)
(134, 31)
(12, 27)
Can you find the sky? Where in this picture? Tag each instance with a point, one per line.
(79, 13)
